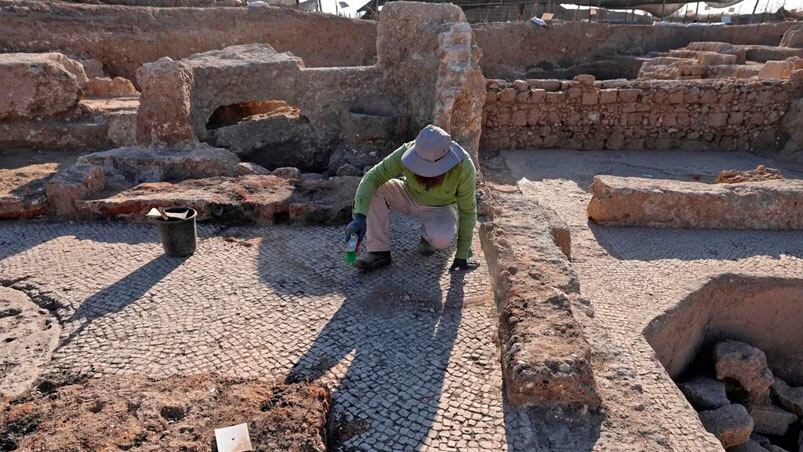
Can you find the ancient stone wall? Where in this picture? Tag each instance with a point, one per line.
(634, 115)
(123, 38)
(511, 45)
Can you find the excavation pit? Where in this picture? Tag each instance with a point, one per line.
(733, 347)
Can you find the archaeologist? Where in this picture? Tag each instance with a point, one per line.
(437, 188)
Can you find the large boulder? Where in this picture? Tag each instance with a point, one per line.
(34, 85)
(747, 365)
(788, 397)
(636, 201)
(705, 393)
(731, 424)
(139, 164)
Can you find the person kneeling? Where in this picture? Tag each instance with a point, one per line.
(438, 188)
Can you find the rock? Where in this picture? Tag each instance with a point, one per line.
(22, 191)
(763, 441)
(38, 84)
(245, 199)
(163, 117)
(760, 173)
(162, 164)
(745, 364)
(287, 172)
(635, 201)
(179, 97)
(771, 420)
(788, 397)
(548, 361)
(248, 169)
(792, 38)
(776, 70)
(749, 446)
(705, 393)
(110, 87)
(271, 141)
(730, 424)
(312, 176)
(67, 188)
(348, 170)
(585, 80)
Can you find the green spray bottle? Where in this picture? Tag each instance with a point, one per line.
(352, 245)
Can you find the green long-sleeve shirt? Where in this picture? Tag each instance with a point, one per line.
(458, 187)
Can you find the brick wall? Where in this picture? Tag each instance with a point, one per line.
(710, 114)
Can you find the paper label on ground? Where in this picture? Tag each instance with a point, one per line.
(233, 439)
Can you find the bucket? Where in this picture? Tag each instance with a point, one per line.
(179, 236)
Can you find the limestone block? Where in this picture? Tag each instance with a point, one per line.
(731, 424)
(164, 109)
(590, 98)
(776, 70)
(507, 95)
(789, 397)
(34, 85)
(608, 96)
(110, 87)
(792, 38)
(745, 364)
(67, 188)
(633, 201)
(770, 419)
(520, 85)
(586, 80)
(629, 95)
(705, 393)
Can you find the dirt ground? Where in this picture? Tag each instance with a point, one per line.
(177, 413)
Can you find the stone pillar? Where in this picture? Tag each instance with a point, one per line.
(164, 116)
(460, 89)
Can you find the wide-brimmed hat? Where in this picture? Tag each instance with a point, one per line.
(433, 153)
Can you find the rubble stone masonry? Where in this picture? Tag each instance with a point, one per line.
(636, 114)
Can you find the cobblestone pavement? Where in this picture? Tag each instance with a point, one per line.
(409, 350)
(633, 274)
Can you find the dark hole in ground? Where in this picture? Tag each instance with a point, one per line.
(228, 115)
(760, 312)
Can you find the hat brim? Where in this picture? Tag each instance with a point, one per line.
(425, 168)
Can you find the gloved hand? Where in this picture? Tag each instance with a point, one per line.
(357, 226)
(463, 264)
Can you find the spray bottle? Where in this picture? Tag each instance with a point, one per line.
(352, 246)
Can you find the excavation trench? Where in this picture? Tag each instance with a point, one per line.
(757, 316)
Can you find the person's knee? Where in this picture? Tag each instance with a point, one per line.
(441, 238)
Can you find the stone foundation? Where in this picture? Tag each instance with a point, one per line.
(635, 201)
(546, 359)
(636, 115)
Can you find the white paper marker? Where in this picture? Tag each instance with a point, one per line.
(233, 439)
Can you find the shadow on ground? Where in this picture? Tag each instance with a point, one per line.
(695, 244)
(120, 294)
(387, 347)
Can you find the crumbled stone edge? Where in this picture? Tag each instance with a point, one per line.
(546, 358)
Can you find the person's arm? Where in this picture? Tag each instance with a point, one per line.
(466, 209)
(382, 172)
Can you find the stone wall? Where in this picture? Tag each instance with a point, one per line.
(123, 38)
(427, 64)
(514, 46)
(633, 115)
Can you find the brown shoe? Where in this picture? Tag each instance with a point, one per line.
(372, 261)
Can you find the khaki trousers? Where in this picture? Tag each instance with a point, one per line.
(439, 224)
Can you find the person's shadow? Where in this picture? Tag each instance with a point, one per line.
(385, 351)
